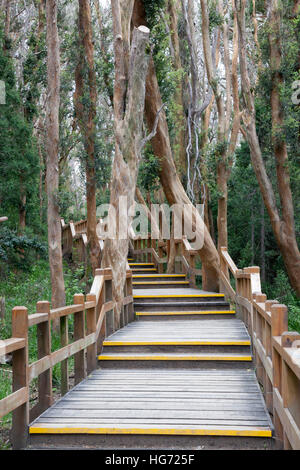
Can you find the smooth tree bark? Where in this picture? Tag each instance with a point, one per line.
(173, 7)
(282, 220)
(131, 65)
(85, 98)
(52, 149)
(173, 189)
(226, 140)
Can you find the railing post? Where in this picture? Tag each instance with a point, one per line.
(130, 309)
(20, 416)
(279, 319)
(110, 320)
(79, 333)
(44, 349)
(64, 340)
(290, 384)
(91, 324)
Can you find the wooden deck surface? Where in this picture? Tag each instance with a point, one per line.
(198, 402)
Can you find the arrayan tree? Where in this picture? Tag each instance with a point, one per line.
(282, 219)
(131, 65)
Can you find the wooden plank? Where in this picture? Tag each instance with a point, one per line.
(11, 344)
(45, 363)
(37, 318)
(290, 427)
(13, 401)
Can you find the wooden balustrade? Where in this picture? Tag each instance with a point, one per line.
(276, 350)
(94, 319)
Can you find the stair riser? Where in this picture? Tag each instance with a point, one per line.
(121, 441)
(145, 305)
(142, 271)
(184, 317)
(142, 364)
(245, 350)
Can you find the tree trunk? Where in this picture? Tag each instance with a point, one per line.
(180, 122)
(131, 64)
(170, 181)
(283, 228)
(52, 149)
(86, 120)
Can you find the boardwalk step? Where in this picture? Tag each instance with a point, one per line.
(128, 408)
(158, 284)
(151, 306)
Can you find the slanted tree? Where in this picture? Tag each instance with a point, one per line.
(131, 65)
(282, 218)
(173, 188)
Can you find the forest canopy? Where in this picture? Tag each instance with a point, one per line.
(227, 75)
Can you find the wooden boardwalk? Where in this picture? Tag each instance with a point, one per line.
(183, 369)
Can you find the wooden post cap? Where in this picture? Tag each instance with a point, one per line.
(269, 304)
(279, 319)
(78, 299)
(260, 298)
(252, 270)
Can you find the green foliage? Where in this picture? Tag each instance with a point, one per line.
(19, 163)
(215, 19)
(18, 251)
(148, 172)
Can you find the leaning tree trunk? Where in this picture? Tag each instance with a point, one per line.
(86, 114)
(131, 64)
(170, 181)
(52, 149)
(282, 226)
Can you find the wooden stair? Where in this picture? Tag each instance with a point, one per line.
(180, 376)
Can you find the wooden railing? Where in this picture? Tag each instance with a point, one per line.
(93, 321)
(276, 356)
(158, 252)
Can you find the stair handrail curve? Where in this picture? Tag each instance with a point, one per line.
(276, 350)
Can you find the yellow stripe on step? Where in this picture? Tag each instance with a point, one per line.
(174, 358)
(38, 429)
(159, 283)
(175, 296)
(152, 276)
(139, 264)
(177, 343)
(203, 312)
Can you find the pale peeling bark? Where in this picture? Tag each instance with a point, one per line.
(86, 120)
(283, 226)
(129, 101)
(52, 149)
(170, 181)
